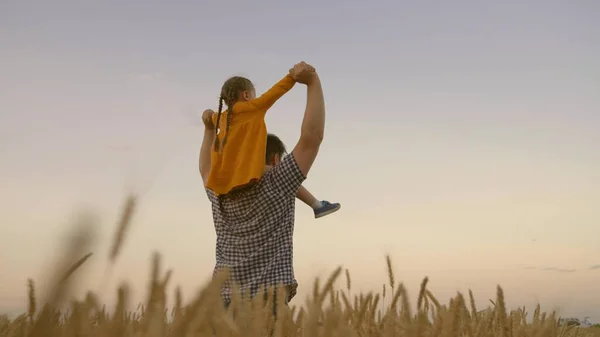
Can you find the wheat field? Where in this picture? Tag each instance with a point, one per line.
(328, 311)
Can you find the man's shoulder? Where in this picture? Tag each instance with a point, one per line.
(284, 178)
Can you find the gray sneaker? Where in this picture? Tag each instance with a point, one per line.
(326, 209)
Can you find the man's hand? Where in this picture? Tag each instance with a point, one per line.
(207, 119)
(303, 73)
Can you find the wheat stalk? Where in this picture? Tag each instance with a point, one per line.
(205, 316)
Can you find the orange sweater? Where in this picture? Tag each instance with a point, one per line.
(242, 160)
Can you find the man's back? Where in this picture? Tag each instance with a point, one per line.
(255, 230)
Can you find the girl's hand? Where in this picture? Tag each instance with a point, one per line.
(207, 119)
(303, 72)
(301, 64)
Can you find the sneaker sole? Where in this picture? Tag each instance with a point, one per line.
(333, 210)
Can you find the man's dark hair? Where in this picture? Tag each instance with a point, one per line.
(274, 147)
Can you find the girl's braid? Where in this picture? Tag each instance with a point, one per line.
(229, 113)
(217, 142)
(231, 98)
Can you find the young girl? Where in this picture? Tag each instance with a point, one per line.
(238, 154)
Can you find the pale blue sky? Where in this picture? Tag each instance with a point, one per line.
(461, 137)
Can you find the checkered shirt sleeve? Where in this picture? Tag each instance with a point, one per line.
(285, 178)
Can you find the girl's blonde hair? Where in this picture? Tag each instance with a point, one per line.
(230, 93)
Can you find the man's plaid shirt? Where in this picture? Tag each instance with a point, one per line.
(255, 230)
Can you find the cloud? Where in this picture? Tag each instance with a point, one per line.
(559, 270)
(595, 267)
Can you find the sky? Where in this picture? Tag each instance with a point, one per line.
(462, 138)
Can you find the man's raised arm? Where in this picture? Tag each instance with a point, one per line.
(313, 124)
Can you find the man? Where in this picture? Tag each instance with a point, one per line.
(255, 226)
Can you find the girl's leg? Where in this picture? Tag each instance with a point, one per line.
(306, 197)
(320, 208)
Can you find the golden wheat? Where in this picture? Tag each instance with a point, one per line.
(205, 315)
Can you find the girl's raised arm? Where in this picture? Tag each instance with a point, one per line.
(266, 100)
